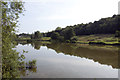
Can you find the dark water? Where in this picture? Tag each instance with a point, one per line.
(63, 60)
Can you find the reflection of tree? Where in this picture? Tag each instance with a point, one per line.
(21, 42)
(36, 45)
(24, 71)
(29, 66)
(102, 56)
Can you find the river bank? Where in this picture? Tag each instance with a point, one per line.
(97, 39)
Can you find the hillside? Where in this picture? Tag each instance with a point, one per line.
(104, 31)
(104, 26)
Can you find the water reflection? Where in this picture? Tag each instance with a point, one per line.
(103, 56)
(25, 72)
(36, 45)
(66, 60)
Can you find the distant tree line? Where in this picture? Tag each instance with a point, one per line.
(109, 25)
(35, 35)
(24, 35)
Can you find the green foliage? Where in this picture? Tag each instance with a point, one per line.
(32, 63)
(58, 29)
(36, 45)
(55, 35)
(45, 38)
(104, 26)
(61, 38)
(37, 35)
(68, 33)
(67, 41)
(101, 43)
(10, 58)
(74, 39)
(117, 34)
(24, 36)
(32, 36)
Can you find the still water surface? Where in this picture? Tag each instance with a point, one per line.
(69, 61)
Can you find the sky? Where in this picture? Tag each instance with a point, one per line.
(47, 15)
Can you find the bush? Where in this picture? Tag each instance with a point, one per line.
(68, 41)
(31, 64)
(97, 43)
(55, 35)
(61, 38)
(117, 34)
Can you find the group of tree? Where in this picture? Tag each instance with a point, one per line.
(23, 35)
(109, 25)
(35, 35)
(63, 35)
(117, 34)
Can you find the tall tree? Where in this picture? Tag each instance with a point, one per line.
(37, 35)
(68, 33)
(10, 58)
(55, 36)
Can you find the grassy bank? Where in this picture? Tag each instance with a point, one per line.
(105, 39)
(102, 39)
(29, 39)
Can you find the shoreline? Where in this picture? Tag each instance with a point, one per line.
(90, 43)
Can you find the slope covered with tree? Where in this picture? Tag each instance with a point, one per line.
(104, 26)
(110, 25)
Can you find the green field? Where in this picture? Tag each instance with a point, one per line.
(108, 39)
(105, 38)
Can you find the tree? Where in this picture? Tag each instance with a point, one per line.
(10, 58)
(32, 36)
(37, 35)
(68, 33)
(58, 29)
(37, 45)
(55, 36)
(117, 34)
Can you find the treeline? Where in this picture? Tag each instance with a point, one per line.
(110, 25)
(35, 35)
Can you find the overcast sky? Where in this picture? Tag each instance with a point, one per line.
(46, 15)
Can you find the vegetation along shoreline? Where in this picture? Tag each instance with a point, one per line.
(106, 31)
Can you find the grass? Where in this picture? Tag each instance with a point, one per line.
(98, 38)
(23, 38)
(102, 47)
(46, 42)
(45, 38)
(42, 39)
(108, 39)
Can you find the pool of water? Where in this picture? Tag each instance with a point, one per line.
(69, 61)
